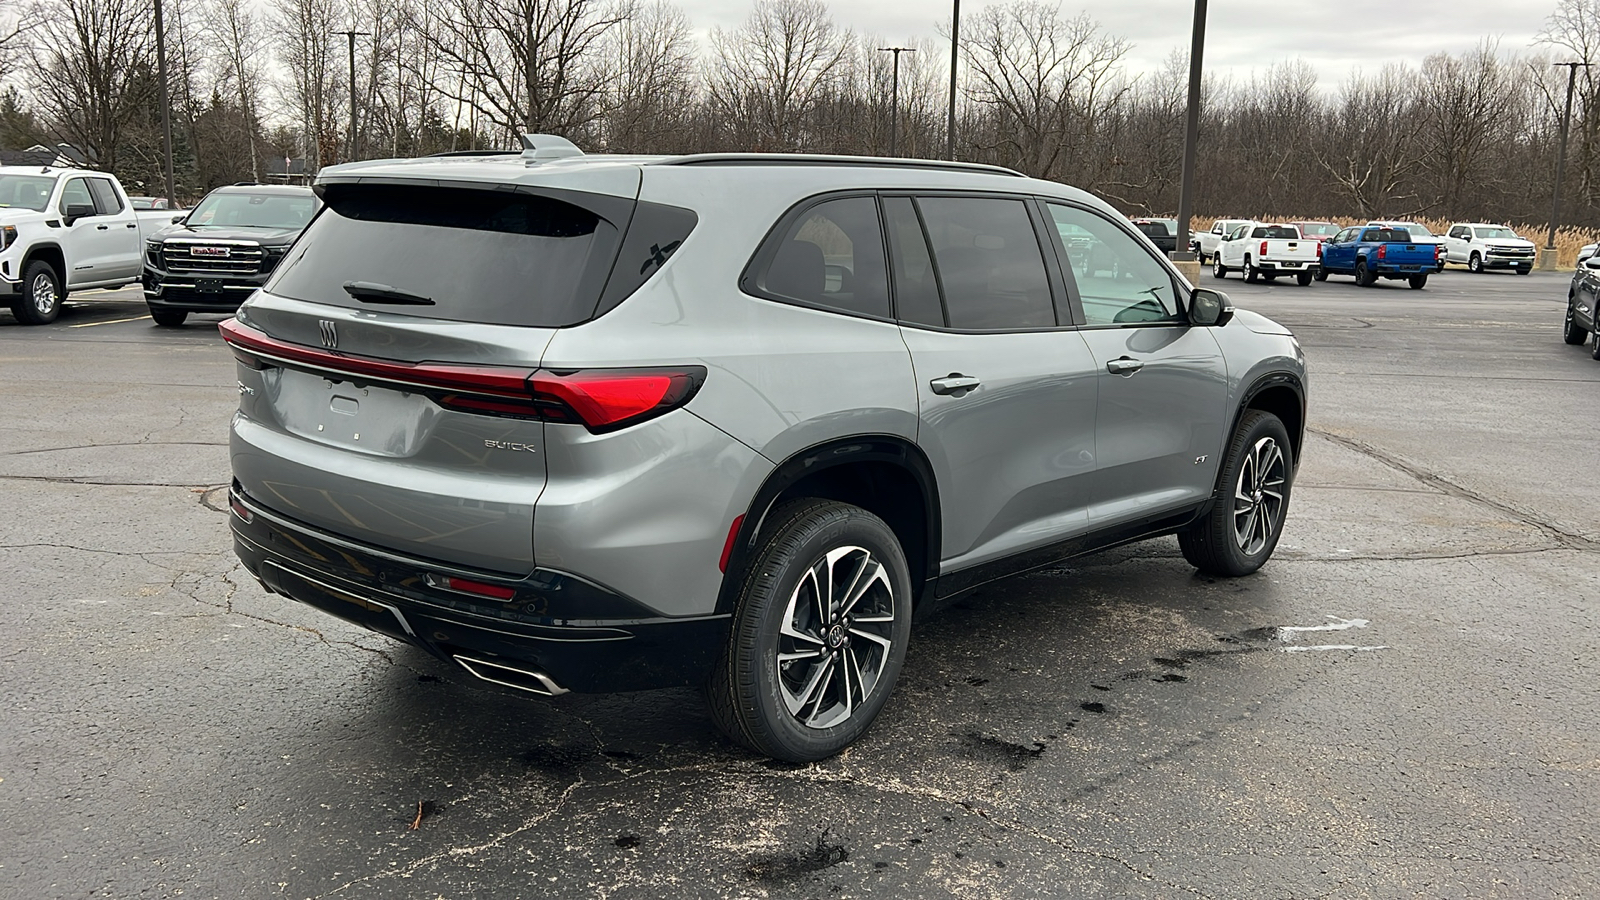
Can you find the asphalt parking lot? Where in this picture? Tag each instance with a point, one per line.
(1401, 704)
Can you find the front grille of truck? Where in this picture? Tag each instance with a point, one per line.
(184, 257)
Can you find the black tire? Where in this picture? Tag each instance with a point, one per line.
(1418, 282)
(1570, 332)
(1595, 353)
(40, 302)
(1364, 276)
(750, 690)
(1213, 544)
(1218, 270)
(1303, 279)
(1475, 264)
(1322, 275)
(1251, 273)
(170, 318)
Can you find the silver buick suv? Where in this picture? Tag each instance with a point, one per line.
(605, 423)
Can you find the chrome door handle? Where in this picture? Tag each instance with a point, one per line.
(954, 383)
(1126, 365)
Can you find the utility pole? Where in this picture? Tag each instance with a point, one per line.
(1547, 258)
(955, 44)
(894, 101)
(351, 36)
(1191, 143)
(166, 106)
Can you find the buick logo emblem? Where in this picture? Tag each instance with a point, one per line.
(330, 334)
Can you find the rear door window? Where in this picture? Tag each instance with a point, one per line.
(830, 256)
(105, 196)
(989, 263)
(468, 255)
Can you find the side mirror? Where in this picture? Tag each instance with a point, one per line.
(76, 211)
(1208, 307)
(177, 218)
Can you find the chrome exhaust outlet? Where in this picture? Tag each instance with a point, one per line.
(531, 680)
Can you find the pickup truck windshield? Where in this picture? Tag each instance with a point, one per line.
(1485, 233)
(252, 211)
(26, 191)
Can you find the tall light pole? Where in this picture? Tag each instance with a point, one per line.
(1549, 261)
(955, 44)
(166, 106)
(894, 98)
(351, 36)
(1191, 137)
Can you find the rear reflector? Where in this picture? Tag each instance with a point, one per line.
(601, 400)
(727, 546)
(468, 586)
(240, 510)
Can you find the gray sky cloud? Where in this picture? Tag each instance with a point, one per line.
(1242, 37)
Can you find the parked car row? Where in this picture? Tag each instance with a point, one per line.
(69, 230)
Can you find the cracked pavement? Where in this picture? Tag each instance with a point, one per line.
(1401, 704)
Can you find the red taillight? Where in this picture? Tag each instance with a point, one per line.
(1263, 248)
(600, 399)
(1383, 251)
(1319, 249)
(727, 546)
(608, 399)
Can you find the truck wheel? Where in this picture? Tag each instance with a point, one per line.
(1241, 531)
(170, 318)
(1251, 274)
(40, 302)
(1475, 264)
(1321, 275)
(1218, 270)
(819, 634)
(1418, 282)
(1303, 278)
(1364, 276)
(1570, 332)
(1595, 353)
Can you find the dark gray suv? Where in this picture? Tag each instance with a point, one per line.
(600, 423)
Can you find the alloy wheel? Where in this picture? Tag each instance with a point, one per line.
(836, 636)
(44, 294)
(1258, 496)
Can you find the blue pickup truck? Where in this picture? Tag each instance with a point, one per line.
(1370, 252)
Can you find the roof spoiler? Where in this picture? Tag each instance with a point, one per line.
(538, 148)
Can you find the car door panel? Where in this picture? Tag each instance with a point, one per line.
(1013, 452)
(1160, 407)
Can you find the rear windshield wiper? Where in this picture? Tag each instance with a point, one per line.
(372, 292)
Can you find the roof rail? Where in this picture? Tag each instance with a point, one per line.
(816, 159)
(538, 148)
(453, 153)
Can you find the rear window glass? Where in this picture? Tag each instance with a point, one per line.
(1277, 232)
(466, 255)
(1154, 229)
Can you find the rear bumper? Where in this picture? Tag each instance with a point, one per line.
(1275, 265)
(557, 632)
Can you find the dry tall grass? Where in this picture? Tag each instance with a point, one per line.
(1568, 240)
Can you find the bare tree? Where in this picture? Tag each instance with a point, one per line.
(650, 78)
(92, 62)
(767, 76)
(305, 33)
(1048, 85)
(237, 33)
(1574, 27)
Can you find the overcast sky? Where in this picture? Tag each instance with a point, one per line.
(1242, 36)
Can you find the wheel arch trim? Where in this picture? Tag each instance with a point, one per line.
(836, 453)
(1267, 381)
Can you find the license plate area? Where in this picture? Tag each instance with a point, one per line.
(373, 419)
(212, 286)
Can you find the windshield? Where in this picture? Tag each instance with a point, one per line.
(1416, 231)
(26, 191)
(1318, 229)
(1495, 233)
(245, 210)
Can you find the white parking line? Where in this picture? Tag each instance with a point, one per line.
(107, 322)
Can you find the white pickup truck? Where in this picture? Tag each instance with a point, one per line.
(1266, 251)
(64, 230)
(1205, 243)
(1479, 246)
